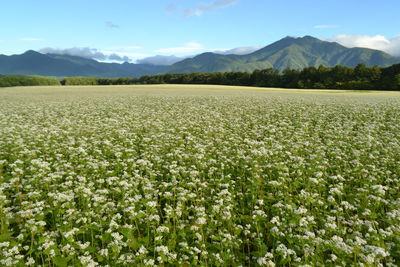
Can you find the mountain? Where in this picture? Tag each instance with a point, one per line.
(288, 52)
(34, 63)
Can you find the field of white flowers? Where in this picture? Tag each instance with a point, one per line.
(198, 176)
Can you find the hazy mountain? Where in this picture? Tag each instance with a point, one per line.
(160, 60)
(34, 63)
(288, 52)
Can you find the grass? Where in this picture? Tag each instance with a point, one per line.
(198, 175)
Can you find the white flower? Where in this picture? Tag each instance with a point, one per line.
(301, 210)
(30, 261)
(142, 250)
(162, 229)
(149, 262)
(103, 252)
(201, 221)
(162, 249)
(152, 204)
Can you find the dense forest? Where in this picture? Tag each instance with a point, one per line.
(19, 80)
(360, 77)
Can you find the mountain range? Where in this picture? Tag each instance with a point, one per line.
(34, 63)
(288, 52)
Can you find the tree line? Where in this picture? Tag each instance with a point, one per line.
(20, 80)
(360, 77)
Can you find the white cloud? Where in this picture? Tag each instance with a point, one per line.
(113, 55)
(320, 27)
(31, 39)
(92, 53)
(117, 57)
(111, 25)
(169, 9)
(239, 50)
(379, 42)
(84, 52)
(203, 8)
(187, 48)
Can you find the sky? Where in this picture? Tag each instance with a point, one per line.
(163, 31)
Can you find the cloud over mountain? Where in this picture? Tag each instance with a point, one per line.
(379, 42)
(240, 50)
(86, 52)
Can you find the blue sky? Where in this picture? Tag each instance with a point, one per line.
(137, 29)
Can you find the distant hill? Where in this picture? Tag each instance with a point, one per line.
(289, 52)
(34, 63)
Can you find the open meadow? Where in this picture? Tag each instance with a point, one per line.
(169, 175)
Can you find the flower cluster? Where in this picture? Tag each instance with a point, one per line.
(145, 177)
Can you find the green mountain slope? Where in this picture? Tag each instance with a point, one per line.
(34, 63)
(289, 52)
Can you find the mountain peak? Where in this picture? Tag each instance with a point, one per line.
(305, 37)
(308, 37)
(289, 37)
(31, 52)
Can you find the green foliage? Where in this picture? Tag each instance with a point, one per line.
(397, 81)
(18, 80)
(80, 81)
(117, 81)
(98, 81)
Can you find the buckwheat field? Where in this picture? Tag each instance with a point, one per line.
(198, 176)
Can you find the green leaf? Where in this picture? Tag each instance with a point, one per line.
(133, 244)
(5, 236)
(61, 261)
